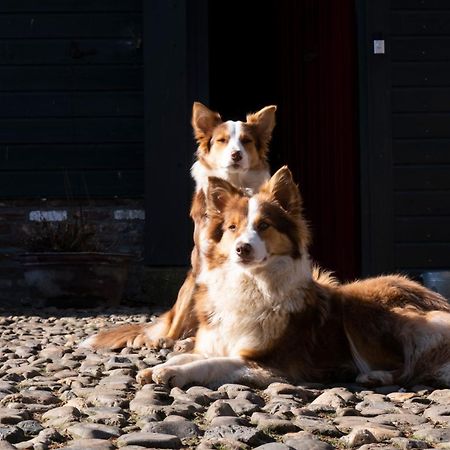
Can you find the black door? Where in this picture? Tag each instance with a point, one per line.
(405, 143)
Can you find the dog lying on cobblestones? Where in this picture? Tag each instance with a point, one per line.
(263, 316)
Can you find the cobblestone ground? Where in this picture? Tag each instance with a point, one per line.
(55, 395)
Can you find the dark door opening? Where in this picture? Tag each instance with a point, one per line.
(300, 55)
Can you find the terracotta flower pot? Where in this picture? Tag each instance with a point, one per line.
(84, 279)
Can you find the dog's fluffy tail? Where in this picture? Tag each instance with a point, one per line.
(131, 335)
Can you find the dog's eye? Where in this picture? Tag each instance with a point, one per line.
(221, 140)
(232, 227)
(246, 140)
(263, 226)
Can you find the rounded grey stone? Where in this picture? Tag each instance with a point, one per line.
(118, 362)
(377, 447)
(93, 431)
(247, 435)
(435, 435)
(308, 444)
(107, 398)
(222, 443)
(282, 403)
(346, 411)
(89, 444)
(399, 419)
(181, 428)
(243, 406)
(275, 425)
(155, 440)
(335, 398)
(203, 395)
(276, 389)
(141, 422)
(226, 421)
(219, 408)
(273, 446)
(407, 444)
(30, 427)
(185, 409)
(317, 425)
(359, 437)
(143, 407)
(232, 390)
(52, 352)
(441, 396)
(60, 417)
(173, 418)
(346, 423)
(38, 396)
(12, 434)
(381, 431)
(7, 387)
(117, 382)
(438, 414)
(9, 416)
(45, 438)
(133, 447)
(372, 409)
(107, 416)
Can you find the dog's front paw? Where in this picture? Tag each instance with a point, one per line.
(142, 340)
(184, 345)
(171, 375)
(144, 376)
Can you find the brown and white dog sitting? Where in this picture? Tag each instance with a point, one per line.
(234, 151)
(263, 316)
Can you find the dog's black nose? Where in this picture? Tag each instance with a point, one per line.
(236, 155)
(243, 249)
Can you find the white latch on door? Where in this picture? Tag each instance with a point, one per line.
(378, 46)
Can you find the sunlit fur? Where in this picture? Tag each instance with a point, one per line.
(271, 317)
(216, 142)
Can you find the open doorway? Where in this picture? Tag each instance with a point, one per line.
(300, 55)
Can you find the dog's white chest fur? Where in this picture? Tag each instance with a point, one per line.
(251, 180)
(249, 314)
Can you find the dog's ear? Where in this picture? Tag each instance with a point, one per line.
(263, 122)
(218, 195)
(203, 122)
(282, 189)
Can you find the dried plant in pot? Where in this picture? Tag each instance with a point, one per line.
(66, 266)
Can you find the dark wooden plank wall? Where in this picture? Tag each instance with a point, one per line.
(176, 61)
(420, 101)
(71, 98)
(375, 141)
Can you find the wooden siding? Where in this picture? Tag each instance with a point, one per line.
(71, 98)
(420, 104)
(377, 216)
(176, 58)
